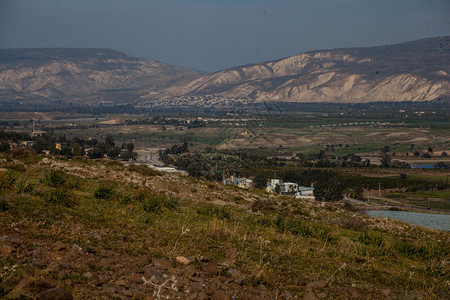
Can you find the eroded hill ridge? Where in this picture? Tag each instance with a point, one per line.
(412, 71)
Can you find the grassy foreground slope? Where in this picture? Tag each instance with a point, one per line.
(99, 230)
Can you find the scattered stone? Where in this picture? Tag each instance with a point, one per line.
(162, 264)
(309, 296)
(87, 275)
(231, 253)
(220, 295)
(38, 286)
(241, 280)
(121, 283)
(104, 263)
(95, 235)
(190, 272)
(196, 279)
(58, 246)
(95, 280)
(55, 294)
(233, 272)
(317, 284)
(6, 250)
(183, 260)
(355, 292)
(136, 278)
(386, 292)
(76, 247)
(211, 269)
(219, 234)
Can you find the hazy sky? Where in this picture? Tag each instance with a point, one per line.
(214, 34)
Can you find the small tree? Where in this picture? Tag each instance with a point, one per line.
(329, 189)
(260, 181)
(385, 160)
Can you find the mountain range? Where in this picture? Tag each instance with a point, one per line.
(412, 71)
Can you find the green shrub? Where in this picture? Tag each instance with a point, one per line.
(370, 239)
(104, 192)
(154, 202)
(24, 187)
(4, 206)
(214, 211)
(7, 180)
(143, 170)
(55, 178)
(61, 196)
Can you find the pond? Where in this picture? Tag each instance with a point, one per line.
(422, 166)
(433, 221)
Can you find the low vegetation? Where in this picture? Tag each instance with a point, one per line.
(103, 230)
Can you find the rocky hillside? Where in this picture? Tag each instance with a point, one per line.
(96, 229)
(413, 71)
(81, 74)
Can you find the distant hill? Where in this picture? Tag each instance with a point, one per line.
(90, 75)
(412, 71)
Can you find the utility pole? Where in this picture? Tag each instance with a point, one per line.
(379, 189)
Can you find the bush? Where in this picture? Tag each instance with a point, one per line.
(370, 239)
(61, 196)
(155, 202)
(143, 170)
(4, 206)
(7, 180)
(55, 178)
(214, 211)
(24, 187)
(104, 192)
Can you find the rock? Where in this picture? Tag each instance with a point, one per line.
(386, 292)
(76, 247)
(231, 253)
(356, 292)
(260, 275)
(55, 294)
(58, 246)
(162, 264)
(87, 275)
(95, 235)
(121, 283)
(149, 273)
(183, 260)
(195, 279)
(317, 284)
(190, 272)
(220, 295)
(211, 290)
(211, 269)
(233, 272)
(38, 286)
(219, 234)
(104, 263)
(241, 280)
(95, 280)
(309, 296)
(136, 278)
(6, 250)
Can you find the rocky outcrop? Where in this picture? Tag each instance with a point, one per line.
(82, 74)
(413, 71)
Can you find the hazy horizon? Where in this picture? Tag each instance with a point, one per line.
(213, 35)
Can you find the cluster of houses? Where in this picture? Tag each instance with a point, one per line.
(275, 186)
(290, 188)
(244, 183)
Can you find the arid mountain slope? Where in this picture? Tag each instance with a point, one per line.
(81, 74)
(412, 71)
